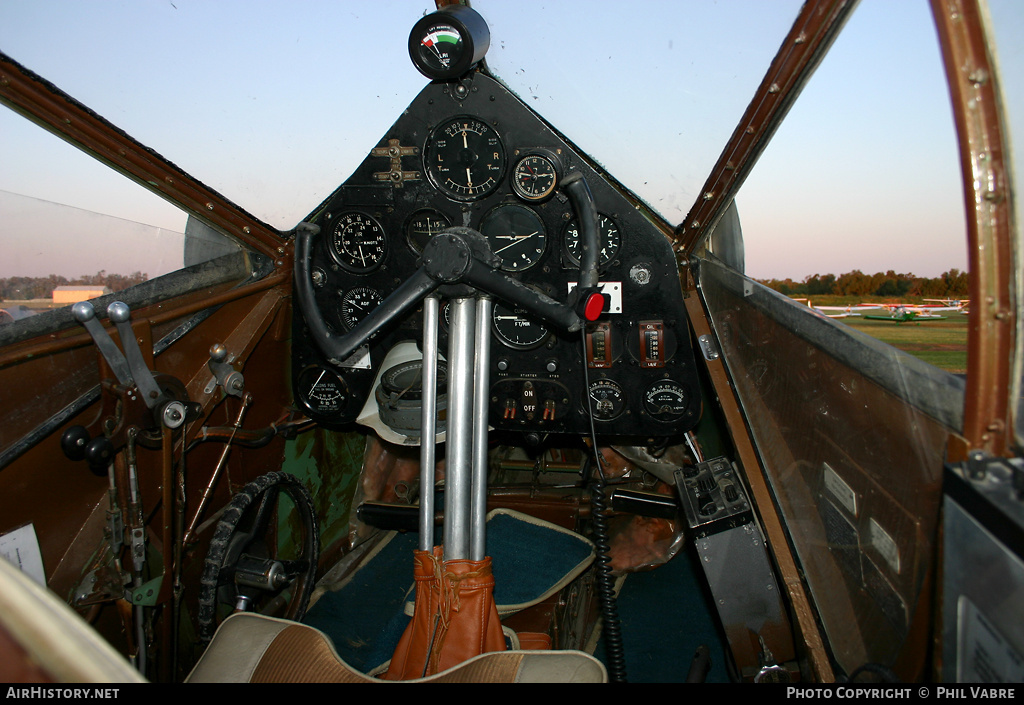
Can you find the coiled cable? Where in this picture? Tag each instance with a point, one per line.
(614, 647)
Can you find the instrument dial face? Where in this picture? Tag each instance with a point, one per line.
(517, 235)
(357, 303)
(609, 237)
(666, 399)
(515, 330)
(321, 391)
(358, 242)
(464, 158)
(606, 399)
(437, 49)
(534, 178)
(424, 225)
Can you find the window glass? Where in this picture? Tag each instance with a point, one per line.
(651, 90)
(1007, 17)
(858, 199)
(73, 229)
(271, 104)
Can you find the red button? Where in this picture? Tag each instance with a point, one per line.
(594, 307)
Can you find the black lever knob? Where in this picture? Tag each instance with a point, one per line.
(98, 453)
(74, 441)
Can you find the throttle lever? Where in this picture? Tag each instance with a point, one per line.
(130, 368)
(120, 314)
(85, 314)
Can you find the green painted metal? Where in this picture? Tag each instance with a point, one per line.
(328, 463)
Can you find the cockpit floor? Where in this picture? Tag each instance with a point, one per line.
(665, 615)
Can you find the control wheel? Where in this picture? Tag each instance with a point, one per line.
(263, 554)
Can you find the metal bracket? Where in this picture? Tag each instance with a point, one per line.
(708, 348)
(146, 594)
(395, 175)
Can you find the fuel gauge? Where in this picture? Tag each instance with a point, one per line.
(321, 391)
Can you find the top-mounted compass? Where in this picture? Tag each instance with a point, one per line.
(445, 44)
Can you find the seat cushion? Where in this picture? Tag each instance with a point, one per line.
(251, 648)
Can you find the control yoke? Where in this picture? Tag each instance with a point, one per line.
(460, 255)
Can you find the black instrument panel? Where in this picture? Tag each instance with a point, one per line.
(472, 154)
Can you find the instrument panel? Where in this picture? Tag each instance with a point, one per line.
(472, 154)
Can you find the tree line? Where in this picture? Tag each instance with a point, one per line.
(42, 287)
(951, 284)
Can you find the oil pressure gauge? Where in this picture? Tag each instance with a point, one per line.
(445, 44)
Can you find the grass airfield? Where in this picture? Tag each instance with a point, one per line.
(940, 342)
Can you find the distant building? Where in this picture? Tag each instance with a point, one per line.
(74, 294)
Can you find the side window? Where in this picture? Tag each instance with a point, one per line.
(858, 199)
(74, 229)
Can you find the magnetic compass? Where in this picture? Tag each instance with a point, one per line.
(445, 44)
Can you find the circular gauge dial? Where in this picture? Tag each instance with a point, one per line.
(357, 303)
(423, 225)
(321, 391)
(517, 235)
(465, 158)
(666, 399)
(437, 48)
(534, 177)
(610, 240)
(445, 44)
(516, 330)
(606, 399)
(358, 242)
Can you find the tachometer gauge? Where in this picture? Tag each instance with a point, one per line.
(465, 158)
(358, 242)
(609, 237)
(423, 225)
(516, 330)
(666, 399)
(606, 399)
(445, 44)
(321, 391)
(516, 234)
(535, 177)
(357, 303)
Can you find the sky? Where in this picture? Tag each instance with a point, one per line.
(274, 104)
